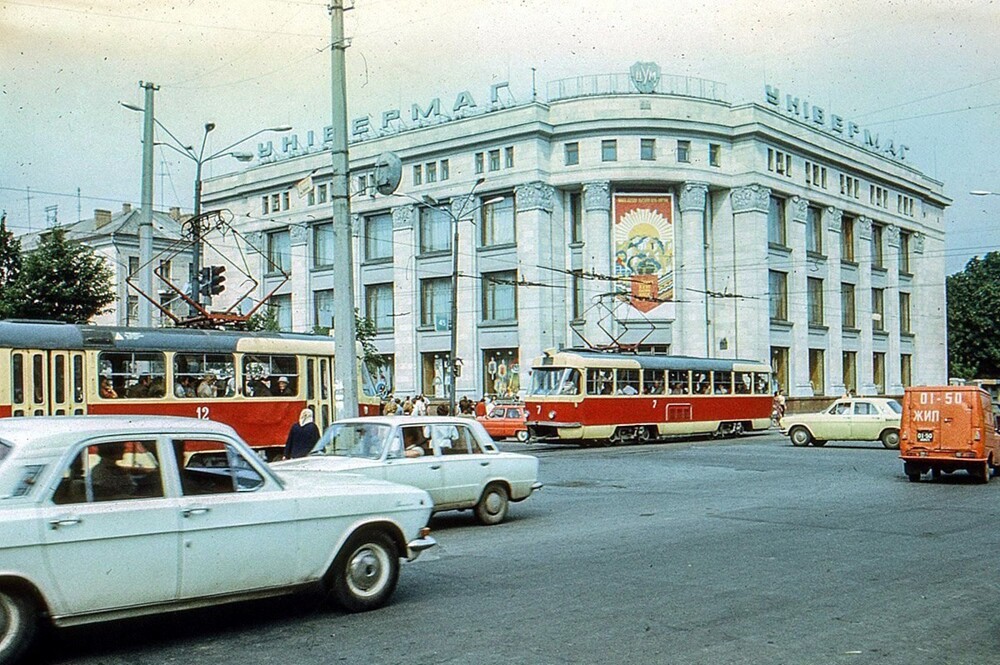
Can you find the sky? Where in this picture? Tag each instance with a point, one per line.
(923, 72)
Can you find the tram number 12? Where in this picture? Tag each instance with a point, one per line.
(202, 413)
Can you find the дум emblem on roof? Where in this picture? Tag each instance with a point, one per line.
(645, 76)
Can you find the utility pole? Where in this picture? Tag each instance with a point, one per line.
(345, 330)
(146, 219)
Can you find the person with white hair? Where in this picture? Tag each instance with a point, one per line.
(302, 436)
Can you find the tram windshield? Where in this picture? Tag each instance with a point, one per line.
(555, 381)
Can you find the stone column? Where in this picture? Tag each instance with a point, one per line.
(752, 329)
(866, 380)
(300, 282)
(463, 208)
(597, 243)
(893, 379)
(405, 302)
(798, 300)
(832, 223)
(691, 333)
(542, 312)
(930, 344)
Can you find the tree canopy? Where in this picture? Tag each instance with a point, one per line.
(973, 295)
(10, 255)
(60, 280)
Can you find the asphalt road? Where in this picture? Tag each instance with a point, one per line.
(747, 551)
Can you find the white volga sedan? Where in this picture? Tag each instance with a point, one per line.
(111, 517)
(454, 459)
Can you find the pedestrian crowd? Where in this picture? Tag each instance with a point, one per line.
(418, 406)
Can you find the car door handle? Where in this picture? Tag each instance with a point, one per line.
(198, 510)
(486, 463)
(435, 466)
(64, 521)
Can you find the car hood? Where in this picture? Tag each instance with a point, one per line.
(337, 463)
(318, 479)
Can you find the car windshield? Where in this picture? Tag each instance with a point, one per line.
(894, 405)
(365, 440)
(555, 381)
(5, 449)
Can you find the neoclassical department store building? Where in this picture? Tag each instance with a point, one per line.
(636, 208)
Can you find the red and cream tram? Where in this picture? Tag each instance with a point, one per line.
(593, 397)
(256, 382)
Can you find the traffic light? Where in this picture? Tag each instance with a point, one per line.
(216, 282)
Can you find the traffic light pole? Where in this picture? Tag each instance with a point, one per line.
(196, 238)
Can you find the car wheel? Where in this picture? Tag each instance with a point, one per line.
(912, 472)
(800, 436)
(365, 571)
(522, 435)
(984, 473)
(493, 506)
(890, 439)
(18, 621)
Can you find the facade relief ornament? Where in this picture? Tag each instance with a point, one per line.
(597, 196)
(752, 198)
(402, 217)
(892, 235)
(800, 209)
(298, 233)
(534, 196)
(834, 219)
(463, 207)
(865, 228)
(693, 196)
(918, 243)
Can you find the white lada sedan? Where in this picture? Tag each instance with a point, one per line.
(454, 459)
(111, 517)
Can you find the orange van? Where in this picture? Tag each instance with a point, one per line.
(945, 428)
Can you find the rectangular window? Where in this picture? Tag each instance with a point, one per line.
(445, 170)
(814, 230)
(609, 150)
(133, 265)
(779, 162)
(906, 370)
(850, 366)
(779, 295)
(285, 201)
(131, 374)
(878, 372)
(378, 306)
(508, 157)
(714, 154)
(430, 170)
(204, 375)
(282, 308)
(279, 251)
(494, 160)
(418, 177)
(577, 297)
(436, 377)
(323, 245)
(500, 296)
(263, 374)
(904, 313)
(321, 193)
(647, 149)
(600, 381)
(904, 252)
(502, 376)
(576, 217)
(684, 151)
(815, 304)
(847, 239)
(878, 309)
(877, 259)
(435, 230)
(265, 205)
(776, 222)
(362, 188)
(378, 237)
(323, 308)
(847, 307)
(571, 153)
(498, 222)
(435, 302)
(779, 367)
(479, 163)
(275, 203)
(817, 373)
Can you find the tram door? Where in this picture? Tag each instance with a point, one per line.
(318, 382)
(47, 383)
(66, 383)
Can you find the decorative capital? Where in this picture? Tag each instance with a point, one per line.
(355, 224)
(693, 195)
(834, 219)
(752, 198)
(402, 217)
(892, 235)
(597, 196)
(800, 209)
(865, 228)
(463, 207)
(298, 234)
(534, 196)
(918, 243)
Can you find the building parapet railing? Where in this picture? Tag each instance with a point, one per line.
(622, 84)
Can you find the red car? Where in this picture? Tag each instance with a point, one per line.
(506, 422)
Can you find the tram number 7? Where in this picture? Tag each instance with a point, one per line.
(202, 413)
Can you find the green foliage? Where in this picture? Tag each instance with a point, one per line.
(60, 280)
(10, 255)
(973, 296)
(366, 331)
(265, 319)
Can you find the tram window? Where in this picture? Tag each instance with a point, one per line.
(204, 375)
(60, 379)
(743, 382)
(310, 379)
(131, 374)
(17, 377)
(266, 375)
(680, 381)
(78, 379)
(38, 375)
(324, 374)
(628, 382)
(570, 383)
(762, 383)
(722, 383)
(653, 382)
(600, 381)
(699, 383)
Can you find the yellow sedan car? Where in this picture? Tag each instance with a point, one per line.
(847, 419)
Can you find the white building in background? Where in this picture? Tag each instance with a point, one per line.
(772, 229)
